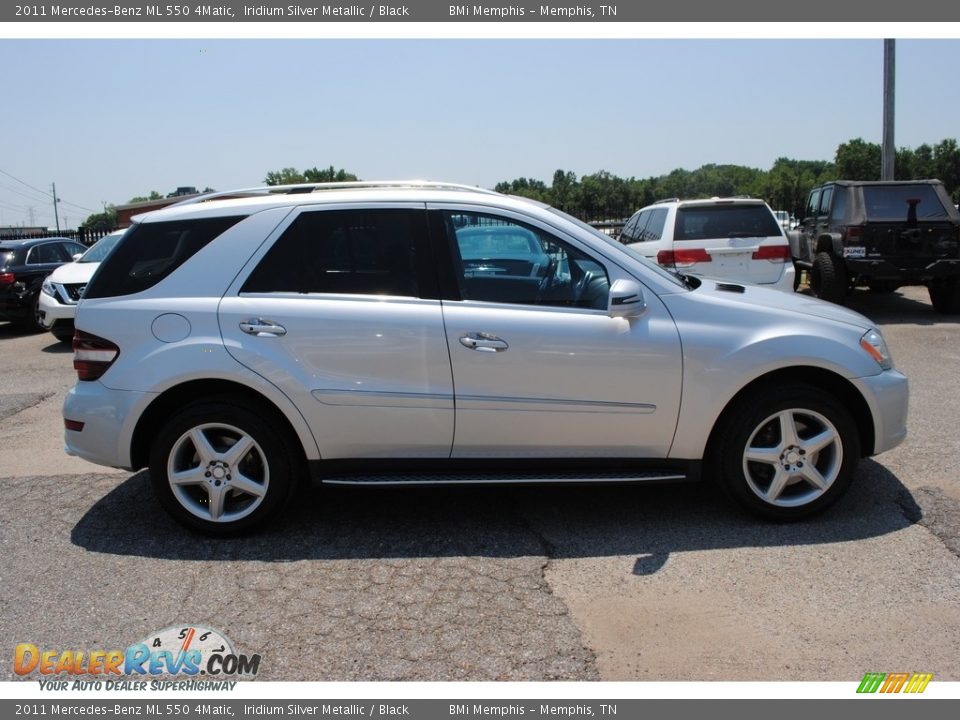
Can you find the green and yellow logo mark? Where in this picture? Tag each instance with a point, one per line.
(895, 682)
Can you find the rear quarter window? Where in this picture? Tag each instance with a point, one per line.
(149, 252)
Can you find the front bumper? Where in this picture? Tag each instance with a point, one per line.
(109, 418)
(52, 311)
(887, 395)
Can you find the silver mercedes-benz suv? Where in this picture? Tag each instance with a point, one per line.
(409, 333)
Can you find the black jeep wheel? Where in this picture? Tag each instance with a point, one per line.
(828, 279)
(945, 295)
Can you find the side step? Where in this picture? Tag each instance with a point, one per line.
(501, 478)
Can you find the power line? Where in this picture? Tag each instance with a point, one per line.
(4, 172)
(23, 194)
(79, 207)
(45, 194)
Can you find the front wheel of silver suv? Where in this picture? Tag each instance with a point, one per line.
(787, 453)
(221, 468)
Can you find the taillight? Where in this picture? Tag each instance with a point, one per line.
(7, 278)
(773, 253)
(92, 355)
(854, 232)
(684, 257)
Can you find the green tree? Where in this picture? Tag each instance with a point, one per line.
(858, 160)
(525, 187)
(104, 221)
(946, 165)
(292, 176)
(154, 195)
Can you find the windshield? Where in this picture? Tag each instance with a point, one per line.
(652, 266)
(100, 248)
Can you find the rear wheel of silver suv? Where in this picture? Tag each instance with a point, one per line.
(221, 468)
(789, 452)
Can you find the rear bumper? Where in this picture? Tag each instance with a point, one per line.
(909, 270)
(109, 418)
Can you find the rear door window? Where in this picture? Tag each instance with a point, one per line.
(47, 254)
(353, 252)
(149, 252)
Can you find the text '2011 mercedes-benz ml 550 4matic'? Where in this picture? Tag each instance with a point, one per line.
(412, 333)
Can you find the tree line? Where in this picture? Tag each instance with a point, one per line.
(605, 196)
(784, 186)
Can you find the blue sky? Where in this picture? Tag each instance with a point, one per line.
(110, 119)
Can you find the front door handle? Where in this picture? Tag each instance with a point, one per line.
(259, 327)
(484, 342)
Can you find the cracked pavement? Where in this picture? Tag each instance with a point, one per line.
(613, 583)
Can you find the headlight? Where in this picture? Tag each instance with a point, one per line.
(47, 288)
(876, 347)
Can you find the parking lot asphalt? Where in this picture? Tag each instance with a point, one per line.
(614, 583)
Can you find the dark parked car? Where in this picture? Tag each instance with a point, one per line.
(23, 266)
(881, 235)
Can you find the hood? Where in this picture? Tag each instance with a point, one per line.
(779, 300)
(74, 272)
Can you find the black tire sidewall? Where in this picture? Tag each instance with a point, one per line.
(271, 441)
(827, 279)
(743, 421)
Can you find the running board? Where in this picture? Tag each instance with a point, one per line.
(521, 478)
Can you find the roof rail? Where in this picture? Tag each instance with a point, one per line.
(304, 188)
(666, 200)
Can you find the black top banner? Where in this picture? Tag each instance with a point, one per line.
(824, 12)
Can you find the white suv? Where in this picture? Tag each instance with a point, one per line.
(62, 289)
(411, 333)
(736, 239)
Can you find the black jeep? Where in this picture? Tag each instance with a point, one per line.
(881, 235)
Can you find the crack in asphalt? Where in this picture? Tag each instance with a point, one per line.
(14, 403)
(937, 512)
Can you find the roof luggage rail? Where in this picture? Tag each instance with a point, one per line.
(304, 188)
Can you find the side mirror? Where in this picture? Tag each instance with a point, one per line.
(77, 256)
(626, 299)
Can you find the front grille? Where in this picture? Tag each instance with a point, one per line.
(74, 291)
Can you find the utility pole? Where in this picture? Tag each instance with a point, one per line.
(889, 152)
(56, 216)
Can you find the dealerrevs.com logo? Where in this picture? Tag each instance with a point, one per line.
(179, 651)
(895, 682)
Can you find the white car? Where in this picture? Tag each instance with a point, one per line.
(61, 290)
(736, 239)
(241, 343)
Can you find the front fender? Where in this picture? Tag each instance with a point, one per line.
(715, 374)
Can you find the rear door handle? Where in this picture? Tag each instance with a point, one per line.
(259, 327)
(483, 342)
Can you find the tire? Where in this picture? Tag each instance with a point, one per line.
(64, 336)
(945, 295)
(31, 322)
(218, 493)
(828, 279)
(764, 450)
(883, 287)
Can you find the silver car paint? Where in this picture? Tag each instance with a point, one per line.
(700, 347)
